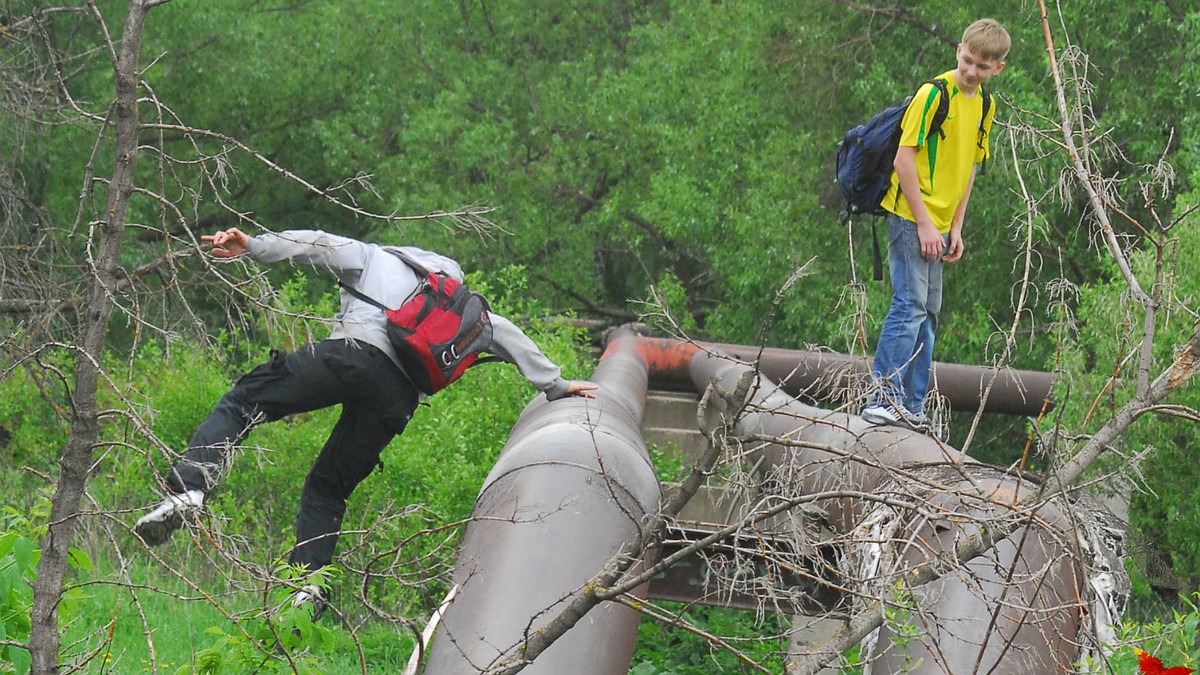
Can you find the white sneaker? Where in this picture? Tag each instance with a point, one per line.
(156, 527)
(884, 414)
(895, 415)
(311, 594)
(900, 416)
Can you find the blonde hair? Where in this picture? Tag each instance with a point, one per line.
(988, 39)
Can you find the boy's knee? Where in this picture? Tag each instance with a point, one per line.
(913, 310)
(331, 488)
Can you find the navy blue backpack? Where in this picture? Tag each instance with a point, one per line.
(866, 153)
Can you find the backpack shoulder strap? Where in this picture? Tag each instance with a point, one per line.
(421, 271)
(987, 106)
(943, 109)
(362, 296)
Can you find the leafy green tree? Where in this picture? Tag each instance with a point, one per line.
(629, 148)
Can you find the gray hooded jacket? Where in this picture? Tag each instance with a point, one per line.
(371, 270)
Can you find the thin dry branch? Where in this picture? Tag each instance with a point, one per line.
(471, 218)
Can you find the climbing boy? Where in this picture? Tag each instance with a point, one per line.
(356, 367)
(926, 204)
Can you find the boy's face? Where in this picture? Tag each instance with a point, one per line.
(973, 70)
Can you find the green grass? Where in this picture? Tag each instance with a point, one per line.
(185, 632)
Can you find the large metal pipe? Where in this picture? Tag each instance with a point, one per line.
(574, 481)
(568, 492)
(824, 376)
(1015, 609)
(1019, 608)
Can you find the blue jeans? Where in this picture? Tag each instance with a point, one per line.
(904, 356)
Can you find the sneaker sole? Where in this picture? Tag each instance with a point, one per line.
(881, 421)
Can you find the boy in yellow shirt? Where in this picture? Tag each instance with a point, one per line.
(926, 205)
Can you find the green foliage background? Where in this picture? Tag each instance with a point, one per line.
(620, 141)
(625, 144)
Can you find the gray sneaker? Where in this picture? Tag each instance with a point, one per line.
(156, 527)
(884, 414)
(887, 414)
(920, 421)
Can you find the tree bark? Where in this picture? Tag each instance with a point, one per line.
(76, 459)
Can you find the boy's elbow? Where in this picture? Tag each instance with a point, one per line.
(905, 157)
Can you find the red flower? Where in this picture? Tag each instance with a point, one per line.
(1152, 665)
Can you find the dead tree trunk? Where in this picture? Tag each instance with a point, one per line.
(107, 230)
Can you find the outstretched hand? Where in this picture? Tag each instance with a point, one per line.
(229, 243)
(581, 388)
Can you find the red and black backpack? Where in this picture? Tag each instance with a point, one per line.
(440, 331)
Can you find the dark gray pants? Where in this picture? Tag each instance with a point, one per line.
(377, 401)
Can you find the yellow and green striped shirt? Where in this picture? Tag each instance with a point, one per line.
(943, 164)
